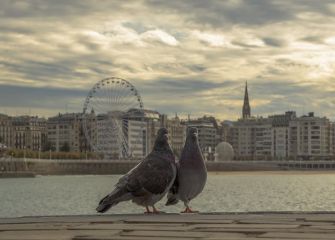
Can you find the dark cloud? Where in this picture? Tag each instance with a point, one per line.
(222, 13)
(245, 45)
(54, 9)
(39, 70)
(219, 13)
(290, 95)
(182, 86)
(313, 39)
(49, 98)
(215, 12)
(279, 87)
(274, 42)
(197, 68)
(137, 26)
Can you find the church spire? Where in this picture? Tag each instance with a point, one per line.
(246, 105)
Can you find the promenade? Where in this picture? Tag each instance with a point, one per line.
(234, 226)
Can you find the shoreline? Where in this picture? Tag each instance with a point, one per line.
(103, 167)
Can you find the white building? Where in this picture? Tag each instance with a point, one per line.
(252, 138)
(310, 138)
(145, 123)
(132, 135)
(177, 132)
(29, 132)
(65, 133)
(6, 131)
(207, 135)
(137, 138)
(263, 139)
(280, 128)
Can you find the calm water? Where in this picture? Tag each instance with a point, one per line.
(231, 192)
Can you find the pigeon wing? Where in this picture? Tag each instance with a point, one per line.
(154, 174)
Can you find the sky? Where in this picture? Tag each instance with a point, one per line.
(186, 57)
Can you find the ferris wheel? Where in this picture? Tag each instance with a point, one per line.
(108, 109)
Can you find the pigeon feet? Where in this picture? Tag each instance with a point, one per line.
(189, 210)
(147, 210)
(155, 211)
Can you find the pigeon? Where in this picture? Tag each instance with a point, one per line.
(191, 173)
(149, 181)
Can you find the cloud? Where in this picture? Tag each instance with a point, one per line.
(215, 40)
(223, 13)
(274, 42)
(160, 36)
(21, 100)
(185, 56)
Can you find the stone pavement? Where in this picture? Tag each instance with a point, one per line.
(212, 226)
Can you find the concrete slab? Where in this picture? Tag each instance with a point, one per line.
(234, 226)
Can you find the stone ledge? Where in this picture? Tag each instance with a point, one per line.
(257, 225)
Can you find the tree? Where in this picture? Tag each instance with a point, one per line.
(47, 146)
(65, 147)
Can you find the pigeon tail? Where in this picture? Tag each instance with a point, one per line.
(118, 195)
(172, 199)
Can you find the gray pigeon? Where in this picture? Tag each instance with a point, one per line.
(191, 173)
(149, 181)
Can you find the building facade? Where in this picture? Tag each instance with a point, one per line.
(251, 138)
(177, 132)
(66, 133)
(207, 134)
(29, 132)
(310, 138)
(6, 131)
(280, 128)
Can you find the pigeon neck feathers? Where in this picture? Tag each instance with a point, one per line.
(191, 151)
(162, 146)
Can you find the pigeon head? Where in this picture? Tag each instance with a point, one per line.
(162, 136)
(162, 142)
(192, 133)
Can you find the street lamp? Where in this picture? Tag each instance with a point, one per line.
(24, 158)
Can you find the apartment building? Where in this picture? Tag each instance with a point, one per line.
(6, 131)
(280, 129)
(66, 133)
(310, 138)
(177, 132)
(207, 134)
(29, 132)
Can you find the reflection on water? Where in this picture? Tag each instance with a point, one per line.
(70, 195)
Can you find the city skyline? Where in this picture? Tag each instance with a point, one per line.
(245, 103)
(186, 57)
